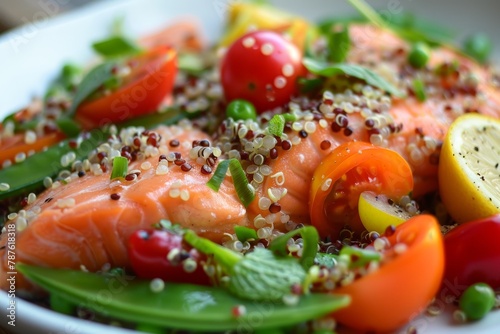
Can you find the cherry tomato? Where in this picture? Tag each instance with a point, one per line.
(344, 174)
(261, 67)
(162, 254)
(472, 255)
(150, 81)
(404, 284)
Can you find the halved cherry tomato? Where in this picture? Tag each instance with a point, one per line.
(261, 67)
(12, 146)
(472, 255)
(163, 254)
(403, 286)
(150, 81)
(344, 174)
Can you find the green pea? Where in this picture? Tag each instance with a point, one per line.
(419, 55)
(241, 109)
(477, 300)
(478, 46)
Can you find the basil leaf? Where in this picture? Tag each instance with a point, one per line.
(116, 46)
(93, 80)
(339, 44)
(310, 85)
(413, 29)
(356, 71)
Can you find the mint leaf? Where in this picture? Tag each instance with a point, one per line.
(356, 71)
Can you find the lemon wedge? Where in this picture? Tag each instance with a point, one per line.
(244, 16)
(469, 168)
(377, 212)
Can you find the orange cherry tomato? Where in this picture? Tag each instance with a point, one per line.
(344, 174)
(404, 284)
(150, 81)
(12, 146)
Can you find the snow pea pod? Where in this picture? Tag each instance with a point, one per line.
(29, 175)
(179, 306)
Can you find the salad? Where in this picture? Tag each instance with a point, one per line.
(304, 169)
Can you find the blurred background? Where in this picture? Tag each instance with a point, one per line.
(462, 16)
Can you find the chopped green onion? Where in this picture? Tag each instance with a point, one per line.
(360, 257)
(277, 125)
(116, 46)
(310, 237)
(245, 192)
(245, 233)
(419, 90)
(120, 167)
(219, 175)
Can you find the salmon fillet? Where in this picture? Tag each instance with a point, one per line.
(80, 225)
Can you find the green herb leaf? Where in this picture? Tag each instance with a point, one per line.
(326, 260)
(116, 46)
(405, 25)
(178, 306)
(479, 47)
(68, 126)
(243, 190)
(276, 125)
(419, 90)
(310, 237)
(310, 85)
(245, 233)
(339, 44)
(120, 167)
(218, 176)
(356, 71)
(90, 83)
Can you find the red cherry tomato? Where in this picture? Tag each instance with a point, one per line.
(344, 174)
(162, 254)
(261, 67)
(150, 81)
(472, 255)
(404, 285)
